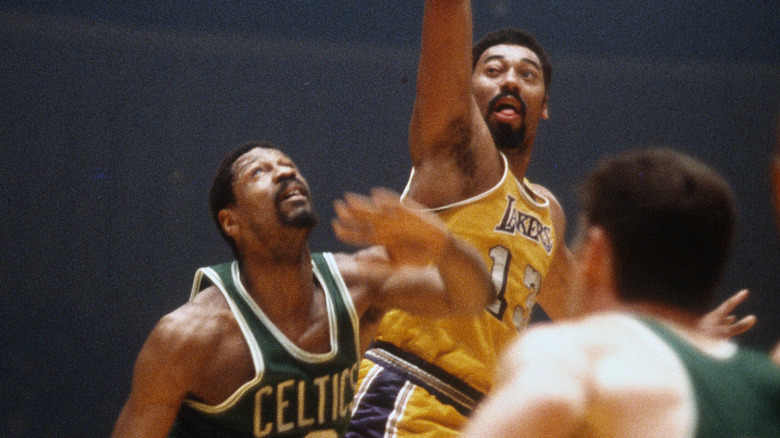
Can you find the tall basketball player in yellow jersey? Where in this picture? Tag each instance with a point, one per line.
(471, 136)
(423, 376)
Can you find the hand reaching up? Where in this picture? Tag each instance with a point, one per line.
(410, 234)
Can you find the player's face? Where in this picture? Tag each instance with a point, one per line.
(270, 191)
(508, 86)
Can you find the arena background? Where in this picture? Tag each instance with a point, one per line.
(115, 115)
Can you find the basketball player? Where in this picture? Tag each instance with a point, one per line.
(657, 227)
(472, 133)
(269, 344)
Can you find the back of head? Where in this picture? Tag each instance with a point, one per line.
(516, 37)
(671, 221)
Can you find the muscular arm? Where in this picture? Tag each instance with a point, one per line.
(450, 146)
(161, 380)
(419, 267)
(553, 296)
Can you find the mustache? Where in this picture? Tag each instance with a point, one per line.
(285, 184)
(504, 94)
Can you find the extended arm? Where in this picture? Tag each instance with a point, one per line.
(421, 267)
(450, 146)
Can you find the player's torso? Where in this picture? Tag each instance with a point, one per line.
(294, 392)
(512, 230)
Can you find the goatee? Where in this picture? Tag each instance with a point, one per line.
(508, 139)
(305, 218)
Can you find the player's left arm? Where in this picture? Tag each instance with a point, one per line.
(416, 264)
(554, 293)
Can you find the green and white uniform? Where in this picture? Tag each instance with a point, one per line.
(294, 393)
(735, 397)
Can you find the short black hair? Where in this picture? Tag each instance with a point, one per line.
(221, 194)
(671, 221)
(516, 37)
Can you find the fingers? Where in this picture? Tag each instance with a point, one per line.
(363, 220)
(740, 326)
(348, 227)
(731, 303)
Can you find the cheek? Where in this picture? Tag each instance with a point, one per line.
(482, 95)
(535, 100)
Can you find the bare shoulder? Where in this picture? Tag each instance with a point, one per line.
(558, 216)
(363, 272)
(545, 193)
(193, 330)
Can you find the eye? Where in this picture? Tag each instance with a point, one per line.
(530, 75)
(492, 70)
(258, 170)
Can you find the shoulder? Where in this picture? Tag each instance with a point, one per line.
(364, 272)
(558, 216)
(193, 330)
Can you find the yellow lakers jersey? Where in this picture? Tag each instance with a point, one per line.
(512, 228)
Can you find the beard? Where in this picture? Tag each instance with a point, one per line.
(507, 138)
(302, 216)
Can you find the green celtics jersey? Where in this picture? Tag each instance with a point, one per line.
(295, 393)
(738, 396)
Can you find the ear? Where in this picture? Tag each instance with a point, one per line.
(598, 270)
(545, 111)
(228, 222)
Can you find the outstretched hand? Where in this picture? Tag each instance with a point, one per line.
(410, 234)
(721, 323)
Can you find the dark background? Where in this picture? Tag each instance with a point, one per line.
(115, 115)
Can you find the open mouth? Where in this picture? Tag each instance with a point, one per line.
(508, 106)
(293, 191)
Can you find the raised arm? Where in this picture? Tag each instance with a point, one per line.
(450, 146)
(419, 265)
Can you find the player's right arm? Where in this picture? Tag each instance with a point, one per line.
(161, 380)
(451, 148)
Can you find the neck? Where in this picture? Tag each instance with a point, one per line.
(279, 285)
(518, 161)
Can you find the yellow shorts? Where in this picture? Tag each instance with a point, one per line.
(402, 396)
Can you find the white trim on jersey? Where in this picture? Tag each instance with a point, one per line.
(523, 186)
(288, 345)
(345, 296)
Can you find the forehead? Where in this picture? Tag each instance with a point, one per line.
(512, 53)
(259, 155)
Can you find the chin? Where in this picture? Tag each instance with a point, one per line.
(508, 138)
(303, 219)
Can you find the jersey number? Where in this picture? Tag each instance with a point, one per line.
(499, 272)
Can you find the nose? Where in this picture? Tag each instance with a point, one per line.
(511, 81)
(284, 171)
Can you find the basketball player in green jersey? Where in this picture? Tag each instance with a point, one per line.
(656, 230)
(269, 344)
